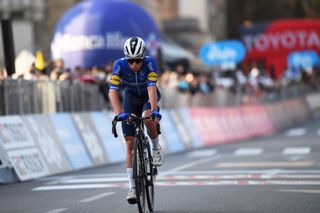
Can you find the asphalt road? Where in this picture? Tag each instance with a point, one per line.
(280, 173)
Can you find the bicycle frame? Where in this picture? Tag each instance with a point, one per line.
(144, 171)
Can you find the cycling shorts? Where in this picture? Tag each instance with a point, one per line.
(136, 105)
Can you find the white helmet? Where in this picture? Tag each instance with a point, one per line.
(134, 48)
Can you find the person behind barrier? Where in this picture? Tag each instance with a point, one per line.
(137, 74)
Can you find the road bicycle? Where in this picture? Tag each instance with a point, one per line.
(144, 172)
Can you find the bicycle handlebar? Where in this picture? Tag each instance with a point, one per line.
(133, 119)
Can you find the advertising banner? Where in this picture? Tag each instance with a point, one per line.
(13, 133)
(114, 147)
(28, 163)
(92, 33)
(20, 149)
(70, 140)
(170, 133)
(44, 136)
(273, 41)
(191, 128)
(303, 59)
(89, 135)
(180, 124)
(222, 52)
(208, 125)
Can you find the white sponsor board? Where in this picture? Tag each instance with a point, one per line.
(28, 163)
(46, 139)
(20, 149)
(13, 133)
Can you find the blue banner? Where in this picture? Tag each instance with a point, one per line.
(187, 119)
(170, 133)
(92, 33)
(303, 59)
(221, 52)
(71, 141)
(114, 147)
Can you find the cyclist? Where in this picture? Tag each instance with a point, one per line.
(137, 73)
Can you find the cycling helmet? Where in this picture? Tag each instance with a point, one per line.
(134, 48)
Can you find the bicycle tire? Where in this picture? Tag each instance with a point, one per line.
(150, 171)
(139, 176)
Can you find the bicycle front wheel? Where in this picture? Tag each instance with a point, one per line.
(139, 176)
(150, 170)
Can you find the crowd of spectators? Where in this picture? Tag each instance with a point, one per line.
(255, 83)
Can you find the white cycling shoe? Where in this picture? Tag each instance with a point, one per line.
(132, 197)
(157, 157)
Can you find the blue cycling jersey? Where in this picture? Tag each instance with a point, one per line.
(134, 83)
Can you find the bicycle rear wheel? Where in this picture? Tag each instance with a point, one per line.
(150, 171)
(139, 176)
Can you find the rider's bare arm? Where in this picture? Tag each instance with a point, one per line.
(153, 98)
(114, 97)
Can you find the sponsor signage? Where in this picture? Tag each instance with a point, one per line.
(303, 59)
(13, 134)
(71, 141)
(28, 163)
(191, 127)
(272, 42)
(20, 149)
(92, 33)
(86, 129)
(114, 147)
(222, 52)
(170, 133)
(46, 140)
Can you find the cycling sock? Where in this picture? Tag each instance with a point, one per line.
(155, 143)
(131, 180)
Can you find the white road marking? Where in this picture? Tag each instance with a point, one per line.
(296, 132)
(295, 157)
(296, 151)
(90, 180)
(95, 197)
(313, 191)
(192, 164)
(264, 164)
(260, 171)
(202, 178)
(202, 153)
(318, 133)
(216, 183)
(79, 186)
(248, 151)
(57, 210)
(240, 182)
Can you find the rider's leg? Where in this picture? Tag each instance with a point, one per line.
(129, 158)
(154, 136)
(152, 130)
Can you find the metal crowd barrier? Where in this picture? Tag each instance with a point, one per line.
(45, 96)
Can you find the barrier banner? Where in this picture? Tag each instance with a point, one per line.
(71, 141)
(114, 147)
(233, 125)
(21, 151)
(28, 163)
(313, 101)
(89, 135)
(207, 124)
(190, 127)
(180, 124)
(46, 140)
(257, 120)
(170, 133)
